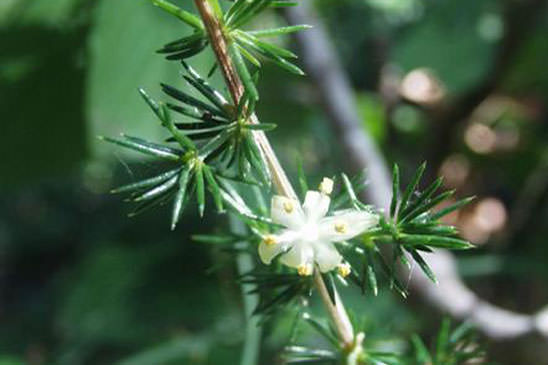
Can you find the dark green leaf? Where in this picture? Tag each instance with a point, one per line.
(243, 72)
(274, 32)
(434, 241)
(451, 208)
(158, 190)
(214, 187)
(200, 193)
(146, 183)
(183, 15)
(412, 186)
(395, 190)
(146, 147)
(179, 200)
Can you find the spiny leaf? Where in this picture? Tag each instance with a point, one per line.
(214, 188)
(146, 147)
(158, 190)
(146, 183)
(190, 100)
(425, 206)
(434, 241)
(451, 208)
(421, 199)
(203, 87)
(424, 266)
(243, 72)
(274, 32)
(200, 193)
(183, 15)
(266, 127)
(395, 190)
(412, 186)
(179, 200)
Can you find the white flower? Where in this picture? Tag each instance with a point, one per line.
(309, 235)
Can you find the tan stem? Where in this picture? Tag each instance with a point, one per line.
(336, 311)
(281, 182)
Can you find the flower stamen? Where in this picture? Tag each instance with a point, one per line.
(304, 269)
(344, 269)
(341, 227)
(270, 240)
(326, 186)
(288, 206)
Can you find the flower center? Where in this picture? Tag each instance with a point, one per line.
(310, 232)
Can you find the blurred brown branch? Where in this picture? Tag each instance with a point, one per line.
(451, 295)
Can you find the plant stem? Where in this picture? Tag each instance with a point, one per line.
(252, 341)
(282, 184)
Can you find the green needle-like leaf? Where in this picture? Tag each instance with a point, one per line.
(190, 100)
(179, 200)
(153, 104)
(205, 89)
(183, 15)
(412, 186)
(247, 12)
(424, 266)
(423, 197)
(214, 143)
(146, 147)
(274, 32)
(422, 353)
(395, 190)
(442, 340)
(427, 205)
(434, 241)
(200, 191)
(322, 330)
(246, 78)
(261, 126)
(158, 190)
(214, 187)
(451, 208)
(272, 56)
(145, 183)
(248, 56)
(167, 122)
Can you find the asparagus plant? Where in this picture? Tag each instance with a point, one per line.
(217, 146)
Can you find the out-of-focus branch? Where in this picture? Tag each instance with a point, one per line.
(338, 102)
(451, 295)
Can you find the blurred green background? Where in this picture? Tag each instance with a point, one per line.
(463, 84)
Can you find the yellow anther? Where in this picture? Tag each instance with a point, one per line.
(344, 270)
(340, 227)
(288, 206)
(304, 269)
(326, 186)
(270, 240)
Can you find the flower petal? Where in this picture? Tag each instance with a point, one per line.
(286, 211)
(326, 256)
(269, 250)
(301, 253)
(315, 205)
(346, 224)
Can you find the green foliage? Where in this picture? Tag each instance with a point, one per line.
(413, 226)
(217, 143)
(243, 45)
(457, 347)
